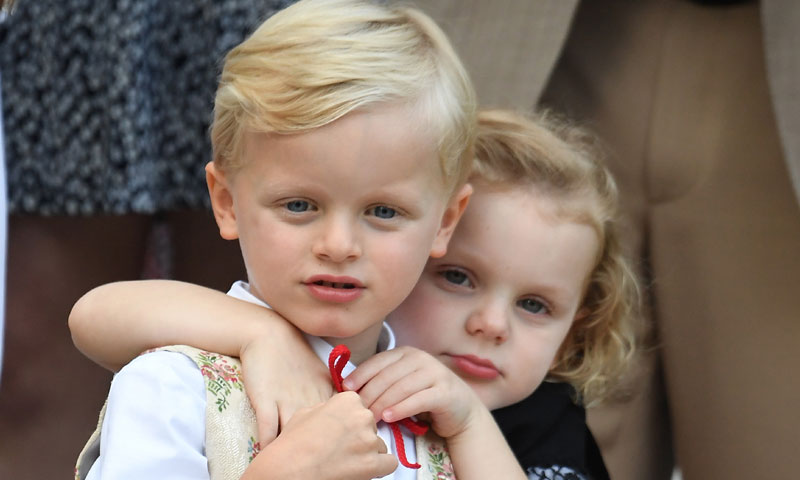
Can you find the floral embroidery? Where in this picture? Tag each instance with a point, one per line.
(253, 449)
(221, 377)
(439, 464)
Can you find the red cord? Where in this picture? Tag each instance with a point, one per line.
(339, 357)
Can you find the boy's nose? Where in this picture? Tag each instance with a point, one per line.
(490, 321)
(337, 242)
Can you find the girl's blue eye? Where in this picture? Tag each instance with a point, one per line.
(382, 211)
(298, 206)
(457, 277)
(532, 305)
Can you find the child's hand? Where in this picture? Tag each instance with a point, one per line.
(406, 381)
(334, 440)
(282, 375)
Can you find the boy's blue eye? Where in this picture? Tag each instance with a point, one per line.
(382, 211)
(298, 206)
(457, 277)
(532, 305)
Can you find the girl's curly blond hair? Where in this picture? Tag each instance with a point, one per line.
(562, 161)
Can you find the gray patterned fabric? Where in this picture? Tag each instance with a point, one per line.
(107, 103)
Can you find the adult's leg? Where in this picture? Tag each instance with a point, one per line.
(725, 235)
(679, 92)
(606, 79)
(50, 394)
(199, 254)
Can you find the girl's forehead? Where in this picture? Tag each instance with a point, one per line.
(521, 223)
(557, 206)
(514, 199)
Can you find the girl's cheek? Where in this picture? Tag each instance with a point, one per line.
(404, 329)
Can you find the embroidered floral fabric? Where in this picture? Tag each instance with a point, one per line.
(231, 436)
(222, 377)
(439, 465)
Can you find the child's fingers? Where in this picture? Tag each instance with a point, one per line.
(341, 435)
(276, 393)
(421, 401)
(400, 390)
(371, 367)
(384, 379)
(450, 405)
(266, 409)
(385, 464)
(267, 421)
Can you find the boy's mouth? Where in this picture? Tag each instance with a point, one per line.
(334, 281)
(323, 283)
(335, 289)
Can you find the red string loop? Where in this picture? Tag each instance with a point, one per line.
(338, 358)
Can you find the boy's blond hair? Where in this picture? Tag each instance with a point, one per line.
(318, 60)
(559, 161)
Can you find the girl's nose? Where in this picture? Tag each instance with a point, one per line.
(490, 321)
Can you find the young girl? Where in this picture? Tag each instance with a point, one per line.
(533, 286)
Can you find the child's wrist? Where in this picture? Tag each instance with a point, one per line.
(478, 420)
(268, 328)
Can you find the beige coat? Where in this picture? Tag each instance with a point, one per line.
(525, 38)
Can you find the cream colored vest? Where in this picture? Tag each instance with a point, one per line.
(231, 436)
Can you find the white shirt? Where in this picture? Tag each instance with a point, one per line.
(155, 418)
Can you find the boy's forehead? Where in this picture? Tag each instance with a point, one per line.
(363, 136)
(385, 144)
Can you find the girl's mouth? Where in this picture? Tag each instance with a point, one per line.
(475, 366)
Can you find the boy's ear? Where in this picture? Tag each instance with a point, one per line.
(221, 202)
(455, 208)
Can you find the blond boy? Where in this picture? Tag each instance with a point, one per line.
(341, 149)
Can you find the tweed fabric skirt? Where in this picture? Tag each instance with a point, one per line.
(107, 103)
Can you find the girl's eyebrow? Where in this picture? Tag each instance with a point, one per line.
(472, 260)
(556, 297)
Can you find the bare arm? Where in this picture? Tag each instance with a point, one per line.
(481, 451)
(114, 323)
